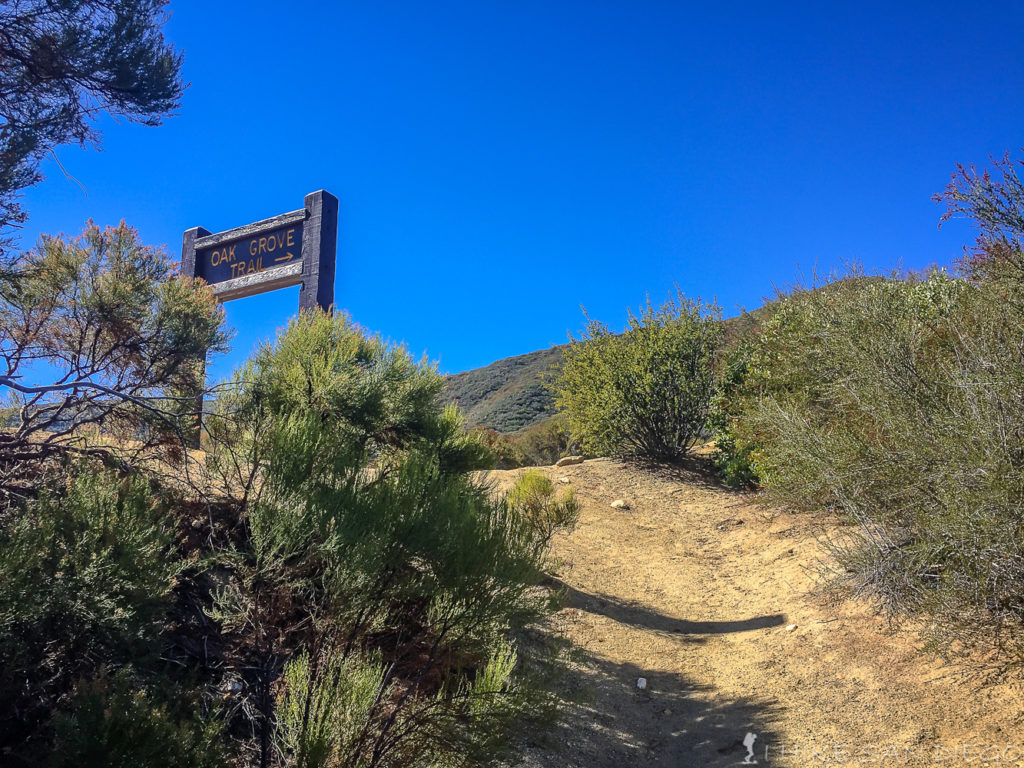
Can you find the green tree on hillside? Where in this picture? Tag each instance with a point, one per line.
(645, 393)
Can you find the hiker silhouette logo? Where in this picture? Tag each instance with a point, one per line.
(748, 742)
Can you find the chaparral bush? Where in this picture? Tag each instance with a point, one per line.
(734, 458)
(86, 575)
(645, 393)
(99, 331)
(542, 443)
(545, 511)
(120, 721)
(378, 606)
(897, 403)
(101, 342)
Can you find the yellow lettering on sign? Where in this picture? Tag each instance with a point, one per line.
(283, 241)
(275, 243)
(247, 267)
(223, 255)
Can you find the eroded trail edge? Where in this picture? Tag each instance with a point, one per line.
(713, 602)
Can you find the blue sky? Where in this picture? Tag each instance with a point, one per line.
(501, 164)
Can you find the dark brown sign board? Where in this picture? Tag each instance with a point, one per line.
(295, 248)
(257, 253)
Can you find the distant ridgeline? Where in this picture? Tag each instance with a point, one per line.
(508, 395)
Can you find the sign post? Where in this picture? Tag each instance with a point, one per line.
(295, 248)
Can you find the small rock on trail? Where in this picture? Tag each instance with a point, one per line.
(567, 461)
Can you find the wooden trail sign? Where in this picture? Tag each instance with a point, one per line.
(219, 263)
(295, 248)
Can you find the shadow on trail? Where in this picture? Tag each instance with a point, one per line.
(639, 616)
(674, 722)
(694, 470)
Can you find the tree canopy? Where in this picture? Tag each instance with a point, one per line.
(63, 63)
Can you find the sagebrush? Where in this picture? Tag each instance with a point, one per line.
(894, 402)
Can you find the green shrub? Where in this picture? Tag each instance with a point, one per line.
(546, 512)
(734, 457)
(896, 403)
(647, 392)
(122, 337)
(325, 705)
(378, 562)
(114, 722)
(86, 575)
(102, 342)
(542, 443)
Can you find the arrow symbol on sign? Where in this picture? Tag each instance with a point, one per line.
(287, 257)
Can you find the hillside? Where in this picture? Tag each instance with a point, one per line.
(506, 395)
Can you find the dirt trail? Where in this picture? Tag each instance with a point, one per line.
(694, 589)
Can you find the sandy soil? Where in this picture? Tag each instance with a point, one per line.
(696, 589)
